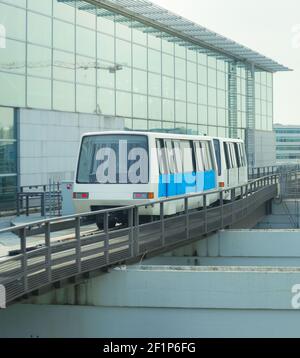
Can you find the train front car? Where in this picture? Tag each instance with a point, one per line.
(117, 169)
(113, 171)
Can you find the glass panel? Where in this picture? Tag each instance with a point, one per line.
(140, 81)
(168, 87)
(123, 52)
(154, 61)
(124, 79)
(63, 66)
(139, 106)
(154, 108)
(13, 57)
(12, 90)
(181, 111)
(139, 57)
(168, 110)
(8, 192)
(39, 29)
(85, 72)
(39, 61)
(86, 99)
(8, 157)
(38, 93)
(85, 42)
(192, 92)
(124, 104)
(180, 68)
(106, 25)
(63, 11)
(63, 96)
(168, 65)
(7, 129)
(63, 35)
(154, 84)
(192, 113)
(86, 18)
(106, 47)
(15, 29)
(44, 6)
(106, 101)
(139, 37)
(180, 90)
(123, 31)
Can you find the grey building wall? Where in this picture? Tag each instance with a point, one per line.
(49, 142)
(261, 148)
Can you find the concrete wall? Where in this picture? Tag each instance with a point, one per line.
(49, 142)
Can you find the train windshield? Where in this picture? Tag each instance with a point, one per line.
(114, 159)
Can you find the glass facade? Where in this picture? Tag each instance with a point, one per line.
(59, 57)
(287, 144)
(8, 158)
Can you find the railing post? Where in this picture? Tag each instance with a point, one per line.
(24, 258)
(78, 244)
(48, 254)
(137, 229)
(131, 227)
(106, 241)
(18, 203)
(222, 208)
(187, 219)
(162, 223)
(27, 205)
(43, 201)
(205, 213)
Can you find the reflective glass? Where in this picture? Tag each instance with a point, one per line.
(39, 61)
(39, 29)
(63, 35)
(7, 157)
(38, 93)
(64, 96)
(140, 81)
(106, 101)
(7, 123)
(14, 20)
(44, 6)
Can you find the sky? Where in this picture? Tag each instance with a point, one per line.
(269, 27)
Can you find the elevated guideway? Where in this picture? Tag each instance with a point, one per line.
(55, 259)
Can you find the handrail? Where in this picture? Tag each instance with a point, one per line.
(113, 210)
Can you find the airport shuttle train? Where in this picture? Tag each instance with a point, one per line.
(116, 169)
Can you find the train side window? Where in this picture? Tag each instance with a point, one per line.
(240, 147)
(227, 156)
(243, 153)
(161, 155)
(187, 155)
(233, 157)
(199, 156)
(207, 159)
(237, 155)
(178, 156)
(170, 156)
(217, 148)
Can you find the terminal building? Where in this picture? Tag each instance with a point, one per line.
(287, 144)
(69, 67)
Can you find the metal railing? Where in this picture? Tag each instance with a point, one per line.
(87, 251)
(255, 173)
(45, 199)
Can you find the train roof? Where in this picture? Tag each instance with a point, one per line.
(162, 135)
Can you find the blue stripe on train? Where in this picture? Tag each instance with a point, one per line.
(179, 184)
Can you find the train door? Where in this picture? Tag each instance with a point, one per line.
(231, 165)
(217, 148)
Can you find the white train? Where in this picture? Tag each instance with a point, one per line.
(118, 169)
